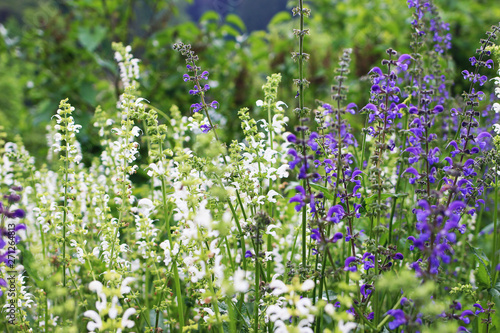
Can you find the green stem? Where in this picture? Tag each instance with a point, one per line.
(257, 284)
(174, 264)
(386, 318)
(494, 262)
(395, 199)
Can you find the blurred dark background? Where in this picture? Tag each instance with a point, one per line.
(54, 49)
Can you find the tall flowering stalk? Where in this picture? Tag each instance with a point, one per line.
(302, 112)
(65, 144)
(127, 148)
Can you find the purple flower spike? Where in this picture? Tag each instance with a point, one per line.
(205, 128)
(348, 262)
(404, 61)
(291, 138)
(399, 318)
(438, 109)
(316, 235)
(483, 135)
(413, 171)
(196, 107)
(479, 308)
(214, 104)
(366, 290)
(376, 89)
(377, 71)
(350, 108)
(18, 213)
(248, 254)
(456, 205)
(20, 226)
(338, 236)
(371, 107)
(464, 316)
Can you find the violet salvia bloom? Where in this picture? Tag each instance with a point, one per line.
(366, 289)
(350, 264)
(7, 235)
(199, 88)
(479, 308)
(205, 128)
(464, 316)
(399, 318)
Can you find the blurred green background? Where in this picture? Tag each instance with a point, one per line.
(50, 50)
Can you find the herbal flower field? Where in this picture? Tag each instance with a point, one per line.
(323, 213)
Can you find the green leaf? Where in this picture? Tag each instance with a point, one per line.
(483, 273)
(328, 194)
(210, 16)
(227, 29)
(30, 264)
(236, 21)
(495, 294)
(280, 18)
(90, 38)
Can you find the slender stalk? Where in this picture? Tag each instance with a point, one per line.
(301, 111)
(494, 262)
(395, 199)
(215, 305)
(175, 268)
(257, 284)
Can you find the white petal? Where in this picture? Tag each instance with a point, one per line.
(126, 323)
(95, 286)
(307, 285)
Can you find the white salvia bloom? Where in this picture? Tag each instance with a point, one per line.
(347, 327)
(279, 104)
(496, 128)
(276, 313)
(269, 230)
(259, 103)
(240, 283)
(307, 285)
(279, 123)
(304, 326)
(279, 287)
(125, 289)
(96, 323)
(145, 206)
(280, 327)
(136, 131)
(156, 169)
(197, 274)
(282, 171)
(101, 304)
(210, 312)
(271, 194)
(113, 311)
(126, 323)
(329, 309)
(303, 306)
(496, 107)
(96, 286)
